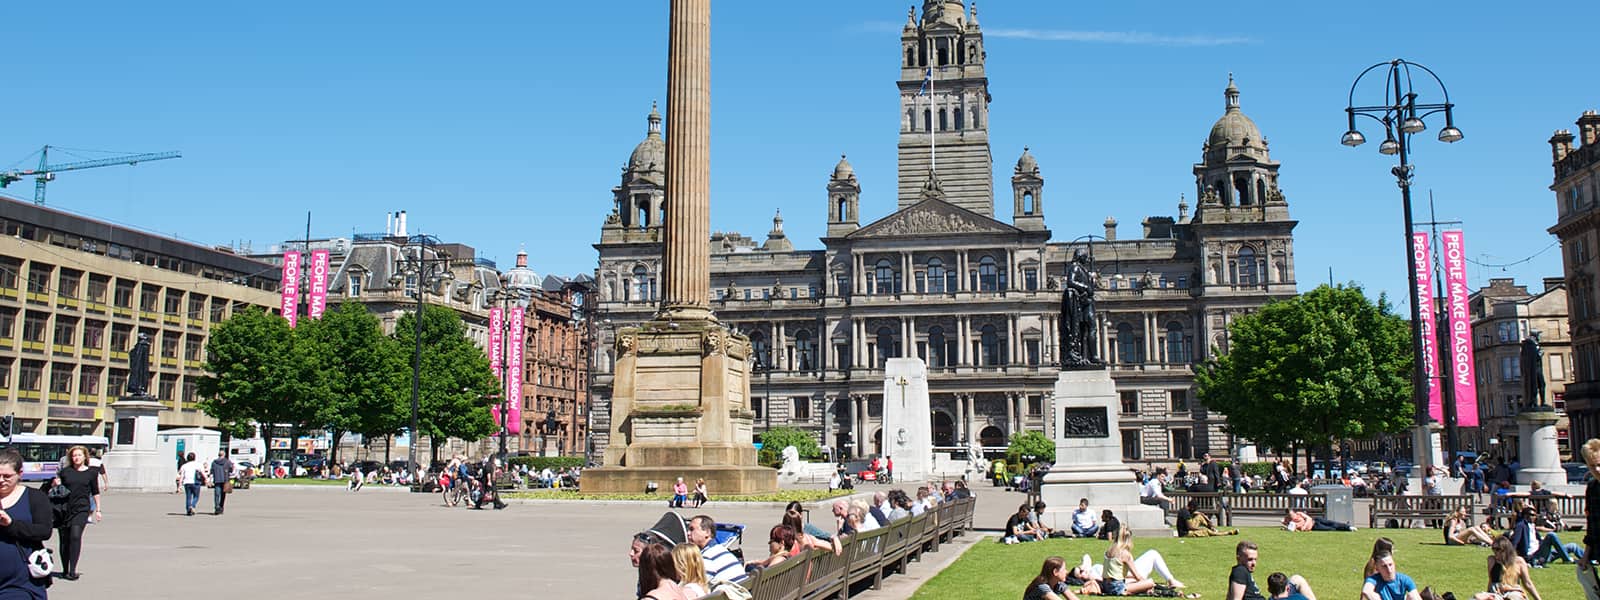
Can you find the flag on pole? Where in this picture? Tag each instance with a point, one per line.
(927, 82)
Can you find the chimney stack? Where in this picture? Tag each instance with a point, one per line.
(1111, 229)
(1589, 127)
(1560, 145)
(400, 224)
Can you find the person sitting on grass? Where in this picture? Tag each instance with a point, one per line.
(1051, 583)
(1039, 528)
(1380, 547)
(1280, 588)
(1508, 575)
(1108, 524)
(1084, 524)
(1194, 523)
(1299, 521)
(1122, 576)
(1017, 528)
(1242, 579)
(1388, 583)
(1459, 530)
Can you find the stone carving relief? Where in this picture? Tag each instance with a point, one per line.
(1085, 423)
(713, 342)
(626, 343)
(925, 222)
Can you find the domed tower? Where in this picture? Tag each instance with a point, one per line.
(1241, 223)
(1235, 168)
(640, 198)
(844, 200)
(944, 107)
(520, 278)
(1027, 191)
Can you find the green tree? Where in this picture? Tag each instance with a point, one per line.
(250, 372)
(1327, 365)
(456, 381)
(361, 377)
(1030, 447)
(774, 440)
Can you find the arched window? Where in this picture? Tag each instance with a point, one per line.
(641, 204)
(885, 276)
(1249, 273)
(975, 123)
(911, 119)
(1129, 346)
(1027, 202)
(936, 275)
(936, 350)
(989, 346)
(761, 349)
(888, 346)
(911, 56)
(844, 209)
(1241, 189)
(805, 350)
(959, 122)
(988, 275)
(1261, 191)
(641, 284)
(927, 120)
(944, 120)
(1177, 348)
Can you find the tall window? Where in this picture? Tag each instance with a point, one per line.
(354, 289)
(887, 345)
(989, 346)
(1182, 445)
(1130, 444)
(936, 350)
(841, 284)
(801, 410)
(1130, 402)
(988, 275)
(641, 284)
(1177, 350)
(1032, 348)
(1030, 279)
(762, 349)
(806, 350)
(1178, 400)
(1128, 345)
(936, 275)
(885, 277)
(1249, 272)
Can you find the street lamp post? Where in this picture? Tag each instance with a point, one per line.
(1400, 112)
(415, 264)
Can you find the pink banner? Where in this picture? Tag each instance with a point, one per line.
(1430, 336)
(514, 371)
(291, 287)
(495, 326)
(319, 283)
(1461, 368)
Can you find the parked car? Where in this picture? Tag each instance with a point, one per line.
(1577, 473)
(1403, 468)
(367, 466)
(1379, 467)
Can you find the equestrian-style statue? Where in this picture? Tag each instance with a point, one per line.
(139, 368)
(1077, 315)
(1532, 372)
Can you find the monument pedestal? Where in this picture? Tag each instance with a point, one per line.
(1427, 451)
(680, 407)
(907, 429)
(134, 462)
(1536, 443)
(1089, 458)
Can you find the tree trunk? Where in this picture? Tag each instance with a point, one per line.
(388, 443)
(266, 457)
(335, 436)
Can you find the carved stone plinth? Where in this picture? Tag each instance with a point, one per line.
(1089, 457)
(134, 462)
(1536, 441)
(681, 408)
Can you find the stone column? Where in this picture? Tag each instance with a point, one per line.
(687, 267)
(1011, 412)
(961, 420)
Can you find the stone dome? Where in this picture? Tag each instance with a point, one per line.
(1026, 163)
(650, 156)
(521, 278)
(1234, 129)
(843, 170)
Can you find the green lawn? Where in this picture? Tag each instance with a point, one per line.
(781, 496)
(1331, 561)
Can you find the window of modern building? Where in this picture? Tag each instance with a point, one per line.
(29, 379)
(117, 381)
(61, 376)
(66, 331)
(1131, 445)
(68, 282)
(8, 324)
(123, 298)
(148, 295)
(89, 382)
(39, 278)
(9, 267)
(33, 327)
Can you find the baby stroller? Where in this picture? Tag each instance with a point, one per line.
(731, 536)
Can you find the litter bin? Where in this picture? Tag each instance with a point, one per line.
(1341, 505)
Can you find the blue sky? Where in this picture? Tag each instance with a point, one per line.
(504, 124)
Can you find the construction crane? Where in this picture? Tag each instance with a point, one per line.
(47, 172)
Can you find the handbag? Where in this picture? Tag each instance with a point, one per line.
(227, 487)
(59, 493)
(41, 563)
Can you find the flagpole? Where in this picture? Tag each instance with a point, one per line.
(933, 150)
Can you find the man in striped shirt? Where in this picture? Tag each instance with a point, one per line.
(720, 564)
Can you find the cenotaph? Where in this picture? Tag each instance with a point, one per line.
(1088, 444)
(907, 426)
(680, 403)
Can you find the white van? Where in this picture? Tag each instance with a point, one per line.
(249, 450)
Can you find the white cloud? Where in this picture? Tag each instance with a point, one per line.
(1117, 37)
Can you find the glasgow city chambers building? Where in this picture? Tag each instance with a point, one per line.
(976, 298)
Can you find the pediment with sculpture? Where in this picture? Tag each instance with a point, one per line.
(933, 217)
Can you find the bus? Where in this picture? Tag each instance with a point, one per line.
(41, 454)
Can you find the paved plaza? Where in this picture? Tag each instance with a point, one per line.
(382, 543)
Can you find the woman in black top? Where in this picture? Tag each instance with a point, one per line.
(83, 485)
(1051, 582)
(24, 526)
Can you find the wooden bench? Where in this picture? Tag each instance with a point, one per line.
(782, 582)
(865, 552)
(827, 575)
(1571, 509)
(1407, 510)
(1273, 505)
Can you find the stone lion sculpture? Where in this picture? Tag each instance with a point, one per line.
(791, 460)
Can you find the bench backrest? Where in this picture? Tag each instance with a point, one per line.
(781, 582)
(1277, 504)
(1401, 504)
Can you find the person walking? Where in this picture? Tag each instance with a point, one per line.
(83, 493)
(25, 517)
(191, 476)
(221, 476)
